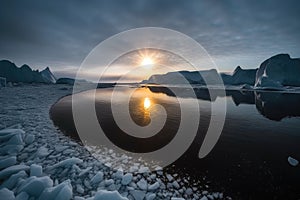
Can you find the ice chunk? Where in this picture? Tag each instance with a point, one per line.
(12, 170)
(108, 195)
(127, 178)
(154, 186)
(67, 163)
(79, 189)
(150, 196)
(22, 196)
(83, 172)
(42, 152)
(5, 134)
(293, 161)
(34, 186)
(60, 148)
(138, 194)
(189, 191)
(177, 198)
(12, 141)
(142, 184)
(133, 169)
(204, 198)
(11, 149)
(97, 178)
(81, 198)
(87, 184)
(36, 170)
(169, 177)
(13, 179)
(62, 191)
(6, 194)
(119, 174)
(153, 176)
(216, 195)
(15, 139)
(29, 139)
(109, 182)
(176, 185)
(7, 162)
(143, 170)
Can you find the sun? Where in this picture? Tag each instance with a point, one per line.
(147, 61)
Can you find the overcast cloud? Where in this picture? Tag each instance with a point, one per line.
(60, 34)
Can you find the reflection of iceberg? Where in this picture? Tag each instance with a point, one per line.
(201, 93)
(241, 97)
(272, 105)
(276, 106)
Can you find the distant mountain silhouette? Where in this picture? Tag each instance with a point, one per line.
(181, 77)
(274, 73)
(24, 74)
(240, 76)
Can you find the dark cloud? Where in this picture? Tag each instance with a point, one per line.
(61, 33)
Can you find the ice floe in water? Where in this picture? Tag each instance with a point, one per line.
(293, 161)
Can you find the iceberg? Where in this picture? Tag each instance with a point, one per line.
(48, 76)
(24, 74)
(277, 72)
(240, 76)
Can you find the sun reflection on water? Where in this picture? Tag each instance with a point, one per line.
(147, 103)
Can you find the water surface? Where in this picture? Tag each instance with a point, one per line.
(249, 160)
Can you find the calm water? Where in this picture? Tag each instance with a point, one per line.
(249, 161)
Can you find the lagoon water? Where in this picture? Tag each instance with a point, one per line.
(250, 159)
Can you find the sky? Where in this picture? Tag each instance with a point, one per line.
(60, 34)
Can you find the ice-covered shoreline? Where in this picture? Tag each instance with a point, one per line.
(66, 170)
